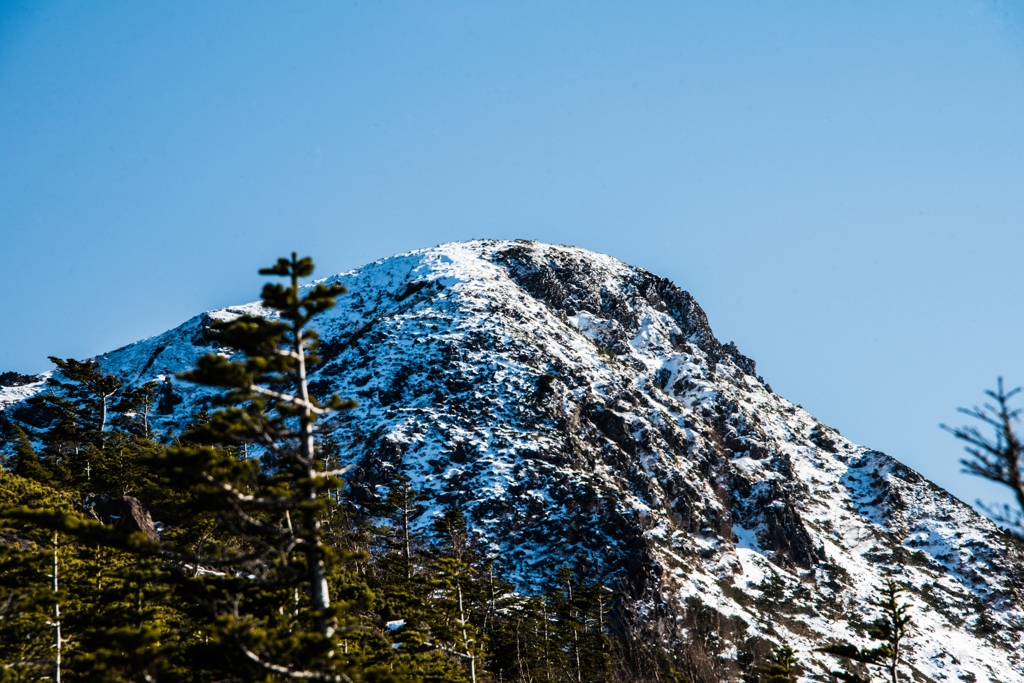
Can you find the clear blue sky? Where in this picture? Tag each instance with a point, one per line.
(840, 184)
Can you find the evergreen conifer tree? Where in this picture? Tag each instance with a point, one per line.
(267, 568)
(890, 628)
(405, 503)
(27, 594)
(578, 611)
(998, 458)
(88, 386)
(781, 668)
(135, 409)
(135, 628)
(25, 462)
(91, 443)
(103, 610)
(518, 641)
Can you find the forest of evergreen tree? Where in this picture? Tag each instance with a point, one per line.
(260, 568)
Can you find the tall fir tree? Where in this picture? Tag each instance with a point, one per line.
(267, 568)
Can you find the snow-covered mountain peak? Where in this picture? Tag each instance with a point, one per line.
(582, 413)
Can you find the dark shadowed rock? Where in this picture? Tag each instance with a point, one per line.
(125, 512)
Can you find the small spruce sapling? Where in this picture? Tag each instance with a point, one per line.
(891, 628)
(781, 668)
(405, 502)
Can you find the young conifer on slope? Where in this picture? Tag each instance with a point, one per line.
(782, 667)
(891, 628)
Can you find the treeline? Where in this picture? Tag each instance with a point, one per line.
(259, 568)
(442, 612)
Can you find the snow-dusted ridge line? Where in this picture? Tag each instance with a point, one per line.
(582, 412)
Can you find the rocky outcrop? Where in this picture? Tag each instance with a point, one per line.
(125, 512)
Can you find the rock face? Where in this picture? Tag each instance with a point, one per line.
(582, 413)
(126, 512)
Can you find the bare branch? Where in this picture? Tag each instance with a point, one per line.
(279, 503)
(333, 473)
(295, 674)
(294, 400)
(444, 648)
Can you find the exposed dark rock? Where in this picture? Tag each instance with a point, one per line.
(204, 334)
(687, 313)
(768, 507)
(820, 438)
(786, 535)
(745, 364)
(411, 289)
(377, 468)
(125, 512)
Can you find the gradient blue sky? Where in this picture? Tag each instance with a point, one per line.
(839, 184)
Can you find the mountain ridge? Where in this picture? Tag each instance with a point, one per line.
(582, 412)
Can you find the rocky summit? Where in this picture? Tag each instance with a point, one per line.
(582, 413)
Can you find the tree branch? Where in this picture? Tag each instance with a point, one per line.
(333, 473)
(295, 674)
(997, 459)
(294, 400)
(280, 503)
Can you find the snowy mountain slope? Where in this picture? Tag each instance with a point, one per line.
(582, 412)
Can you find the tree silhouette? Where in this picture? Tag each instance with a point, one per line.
(997, 458)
